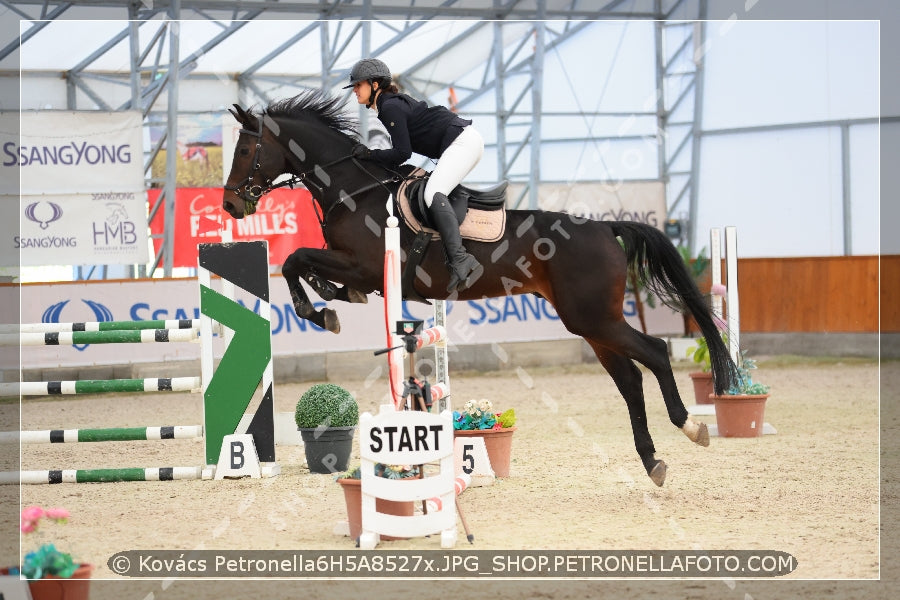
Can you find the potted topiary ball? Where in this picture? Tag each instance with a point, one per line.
(326, 416)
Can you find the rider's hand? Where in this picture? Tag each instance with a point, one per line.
(360, 151)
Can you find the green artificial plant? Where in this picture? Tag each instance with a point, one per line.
(326, 405)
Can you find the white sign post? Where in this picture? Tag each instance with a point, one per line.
(407, 437)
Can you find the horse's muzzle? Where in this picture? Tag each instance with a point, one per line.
(235, 210)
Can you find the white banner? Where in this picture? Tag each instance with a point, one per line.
(643, 202)
(486, 321)
(75, 152)
(99, 228)
(81, 180)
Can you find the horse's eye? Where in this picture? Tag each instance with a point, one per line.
(245, 151)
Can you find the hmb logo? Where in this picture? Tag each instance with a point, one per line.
(116, 229)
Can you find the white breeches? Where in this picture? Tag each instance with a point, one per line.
(455, 163)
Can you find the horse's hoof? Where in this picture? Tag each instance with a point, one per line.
(696, 432)
(658, 473)
(356, 297)
(331, 321)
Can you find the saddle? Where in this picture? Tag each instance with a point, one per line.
(480, 213)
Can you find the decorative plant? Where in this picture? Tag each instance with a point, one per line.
(478, 414)
(700, 355)
(386, 471)
(326, 405)
(46, 560)
(745, 384)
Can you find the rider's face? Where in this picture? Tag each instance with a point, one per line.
(362, 89)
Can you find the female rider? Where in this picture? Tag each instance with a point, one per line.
(435, 132)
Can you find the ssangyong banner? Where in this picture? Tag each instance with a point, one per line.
(82, 197)
(98, 228)
(64, 152)
(639, 201)
(486, 321)
(284, 217)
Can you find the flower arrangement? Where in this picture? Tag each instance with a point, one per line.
(46, 560)
(745, 384)
(386, 471)
(479, 414)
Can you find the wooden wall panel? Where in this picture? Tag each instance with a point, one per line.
(890, 294)
(818, 294)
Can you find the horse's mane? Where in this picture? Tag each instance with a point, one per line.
(316, 104)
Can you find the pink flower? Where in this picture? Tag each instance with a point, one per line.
(31, 516)
(718, 290)
(57, 514)
(497, 425)
(32, 513)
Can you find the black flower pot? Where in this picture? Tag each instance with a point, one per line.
(327, 448)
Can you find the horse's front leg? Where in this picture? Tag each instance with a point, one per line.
(303, 306)
(329, 291)
(308, 263)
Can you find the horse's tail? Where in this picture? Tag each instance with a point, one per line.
(662, 270)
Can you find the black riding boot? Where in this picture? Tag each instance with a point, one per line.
(461, 264)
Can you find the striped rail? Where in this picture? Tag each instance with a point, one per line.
(116, 434)
(115, 336)
(101, 475)
(101, 326)
(100, 386)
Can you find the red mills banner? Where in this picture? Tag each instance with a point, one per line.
(284, 217)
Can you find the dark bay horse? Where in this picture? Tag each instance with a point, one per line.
(578, 265)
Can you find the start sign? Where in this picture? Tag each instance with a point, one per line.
(414, 438)
(405, 437)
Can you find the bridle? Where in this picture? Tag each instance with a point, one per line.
(246, 190)
(251, 192)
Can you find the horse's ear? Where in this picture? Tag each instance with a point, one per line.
(239, 114)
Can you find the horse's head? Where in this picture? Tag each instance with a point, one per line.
(254, 167)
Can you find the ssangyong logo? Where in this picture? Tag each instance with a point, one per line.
(41, 215)
(53, 313)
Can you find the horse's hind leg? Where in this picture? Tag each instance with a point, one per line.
(629, 381)
(653, 353)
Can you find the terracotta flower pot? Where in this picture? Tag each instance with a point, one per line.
(498, 443)
(740, 415)
(703, 386)
(353, 499)
(52, 587)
